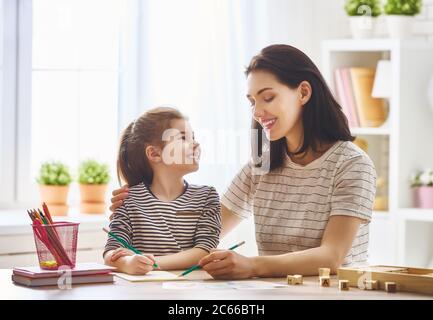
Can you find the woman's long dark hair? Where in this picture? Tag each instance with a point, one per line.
(322, 116)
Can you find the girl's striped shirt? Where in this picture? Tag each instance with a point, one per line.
(153, 226)
(292, 205)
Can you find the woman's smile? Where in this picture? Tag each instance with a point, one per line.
(267, 124)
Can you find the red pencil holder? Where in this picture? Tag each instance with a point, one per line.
(56, 244)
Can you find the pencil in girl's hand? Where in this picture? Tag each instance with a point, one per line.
(196, 267)
(126, 244)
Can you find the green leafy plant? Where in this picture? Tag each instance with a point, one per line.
(403, 7)
(93, 172)
(422, 178)
(54, 173)
(357, 7)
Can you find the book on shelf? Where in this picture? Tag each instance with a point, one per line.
(353, 89)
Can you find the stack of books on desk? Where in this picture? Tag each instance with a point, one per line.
(82, 273)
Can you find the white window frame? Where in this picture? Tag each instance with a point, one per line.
(8, 104)
(23, 103)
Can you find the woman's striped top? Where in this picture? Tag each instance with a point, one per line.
(292, 205)
(153, 226)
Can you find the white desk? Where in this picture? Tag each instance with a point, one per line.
(122, 289)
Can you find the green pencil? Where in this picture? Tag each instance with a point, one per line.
(125, 244)
(198, 267)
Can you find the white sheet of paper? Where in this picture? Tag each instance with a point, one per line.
(150, 276)
(238, 285)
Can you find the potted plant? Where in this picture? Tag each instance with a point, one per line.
(54, 180)
(400, 16)
(93, 178)
(362, 15)
(422, 182)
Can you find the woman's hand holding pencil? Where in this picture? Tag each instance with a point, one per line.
(227, 264)
(210, 258)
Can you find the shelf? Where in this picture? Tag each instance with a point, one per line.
(361, 44)
(380, 131)
(416, 214)
(377, 44)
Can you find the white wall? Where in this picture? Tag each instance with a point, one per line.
(305, 23)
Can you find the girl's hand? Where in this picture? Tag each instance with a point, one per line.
(137, 264)
(227, 264)
(117, 199)
(123, 252)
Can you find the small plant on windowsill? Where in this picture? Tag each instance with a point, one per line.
(54, 179)
(362, 15)
(93, 178)
(422, 182)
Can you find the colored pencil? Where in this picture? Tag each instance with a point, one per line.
(196, 267)
(126, 244)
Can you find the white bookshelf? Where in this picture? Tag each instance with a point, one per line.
(401, 234)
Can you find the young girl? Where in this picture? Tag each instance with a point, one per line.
(171, 222)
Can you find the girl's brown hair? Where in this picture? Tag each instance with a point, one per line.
(132, 164)
(322, 116)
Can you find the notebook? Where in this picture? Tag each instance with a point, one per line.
(53, 281)
(150, 276)
(81, 269)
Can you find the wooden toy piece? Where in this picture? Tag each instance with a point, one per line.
(296, 279)
(419, 280)
(391, 287)
(343, 285)
(324, 272)
(371, 285)
(325, 281)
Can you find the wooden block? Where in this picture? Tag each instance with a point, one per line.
(371, 285)
(296, 279)
(343, 285)
(325, 281)
(391, 287)
(408, 279)
(324, 272)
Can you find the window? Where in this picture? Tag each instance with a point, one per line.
(1, 83)
(7, 99)
(74, 86)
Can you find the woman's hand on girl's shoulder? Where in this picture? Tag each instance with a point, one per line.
(117, 198)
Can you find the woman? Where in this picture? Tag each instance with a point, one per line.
(311, 191)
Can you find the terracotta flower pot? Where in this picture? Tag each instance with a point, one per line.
(424, 197)
(56, 198)
(93, 198)
(93, 192)
(92, 207)
(54, 194)
(58, 209)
